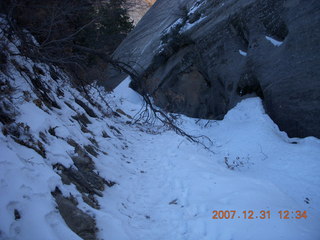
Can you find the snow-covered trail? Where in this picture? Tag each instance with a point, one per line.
(168, 187)
(173, 187)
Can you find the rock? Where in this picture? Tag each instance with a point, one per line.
(91, 201)
(234, 50)
(78, 221)
(83, 175)
(17, 214)
(88, 110)
(137, 8)
(144, 39)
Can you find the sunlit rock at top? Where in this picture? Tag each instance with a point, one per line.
(138, 8)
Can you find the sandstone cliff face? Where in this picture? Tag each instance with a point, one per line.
(138, 8)
(224, 50)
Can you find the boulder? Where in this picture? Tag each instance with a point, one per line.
(78, 221)
(203, 61)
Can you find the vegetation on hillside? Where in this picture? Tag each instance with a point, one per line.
(78, 35)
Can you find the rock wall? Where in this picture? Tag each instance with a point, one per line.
(201, 58)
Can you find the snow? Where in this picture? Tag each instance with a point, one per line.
(24, 185)
(167, 187)
(124, 92)
(274, 42)
(275, 175)
(188, 25)
(37, 121)
(196, 6)
(193, 10)
(175, 24)
(243, 53)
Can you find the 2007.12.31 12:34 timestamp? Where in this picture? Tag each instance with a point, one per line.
(250, 214)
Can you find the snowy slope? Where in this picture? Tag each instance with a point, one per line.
(166, 187)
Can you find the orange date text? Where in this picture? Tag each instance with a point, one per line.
(263, 214)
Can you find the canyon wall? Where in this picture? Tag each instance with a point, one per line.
(200, 58)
